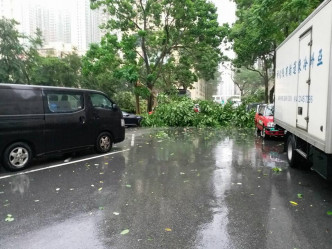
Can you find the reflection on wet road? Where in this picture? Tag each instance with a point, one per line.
(169, 188)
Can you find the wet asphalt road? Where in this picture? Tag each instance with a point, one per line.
(168, 188)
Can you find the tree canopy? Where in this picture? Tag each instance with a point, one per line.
(154, 33)
(261, 26)
(18, 52)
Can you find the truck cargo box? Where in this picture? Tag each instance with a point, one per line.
(303, 82)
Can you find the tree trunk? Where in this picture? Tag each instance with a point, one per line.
(138, 109)
(266, 84)
(272, 95)
(150, 98)
(150, 102)
(266, 80)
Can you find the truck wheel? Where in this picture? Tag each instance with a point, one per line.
(104, 143)
(17, 156)
(292, 155)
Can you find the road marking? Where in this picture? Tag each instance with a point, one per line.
(132, 140)
(60, 165)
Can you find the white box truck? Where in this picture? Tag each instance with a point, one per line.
(303, 91)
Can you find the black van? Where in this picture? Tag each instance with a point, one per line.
(39, 120)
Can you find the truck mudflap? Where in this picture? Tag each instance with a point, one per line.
(321, 163)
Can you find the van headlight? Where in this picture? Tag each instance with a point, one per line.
(122, 122)
(271, 124)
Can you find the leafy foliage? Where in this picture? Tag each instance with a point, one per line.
(261, 26)
(180, 112)
(181, 35)
(16, 57)
(249, 82)
(54, 71)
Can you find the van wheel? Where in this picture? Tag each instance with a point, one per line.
(17, 156)
(104, 143)
(292, 156)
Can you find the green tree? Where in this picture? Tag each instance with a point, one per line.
(154, 30)
(58, 71)
(100, 64)
(261, 26)
(11, 52)
(247, 81)
(18, 53)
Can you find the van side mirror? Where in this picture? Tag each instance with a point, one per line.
(115, 107)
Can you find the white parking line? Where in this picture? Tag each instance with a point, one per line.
(59, 165)
(132, 140)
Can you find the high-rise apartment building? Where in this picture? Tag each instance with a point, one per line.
(85, 24)
(61, 22)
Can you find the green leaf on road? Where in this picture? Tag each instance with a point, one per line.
(329, 212)
(300, 196)
(9, 218)
(277, 169)
(101, 208)
(128, 186)
(124, 232)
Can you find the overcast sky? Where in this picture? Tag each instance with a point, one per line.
(226, 11)
(226, 8)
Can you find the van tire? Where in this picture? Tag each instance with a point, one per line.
(292, 155)
(104, 142)
(17, 156)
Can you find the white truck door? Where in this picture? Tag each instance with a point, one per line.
(303, 84)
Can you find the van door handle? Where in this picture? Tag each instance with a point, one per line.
(82, 120)
(96, 116)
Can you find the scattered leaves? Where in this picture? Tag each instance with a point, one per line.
(9, 218)
(124, 232)
(168, 229)
(276, 170)
(293, 203)
(100, 189)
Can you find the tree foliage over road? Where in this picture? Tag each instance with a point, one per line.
(156, 46)
(180, 35)
(261, 26)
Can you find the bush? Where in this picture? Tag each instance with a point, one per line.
(127, 102)
(180, 112)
